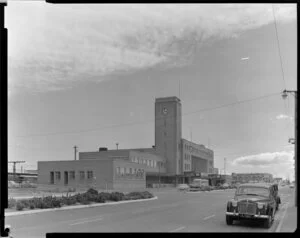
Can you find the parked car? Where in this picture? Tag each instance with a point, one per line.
(183, 187)
(292, 185)
(253, 201)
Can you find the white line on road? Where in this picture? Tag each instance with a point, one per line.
(282, 218)
(206, 218)
(178, 229)
(77, 223)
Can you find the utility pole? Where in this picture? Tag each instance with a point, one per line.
(284, 96)
(117, 144)
(224, 166)
(75, 151)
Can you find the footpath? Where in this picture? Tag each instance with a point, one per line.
(289, 219)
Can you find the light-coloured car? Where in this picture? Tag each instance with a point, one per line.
(183, 187)
(292, 185)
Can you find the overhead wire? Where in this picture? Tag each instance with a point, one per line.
(278, 45)
(147, 121)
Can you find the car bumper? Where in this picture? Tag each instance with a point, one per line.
(234, 214)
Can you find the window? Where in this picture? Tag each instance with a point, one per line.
(118, 170)
(51, 177)
(122, 171)
(81, 175)
(130, 170)
(154, 165)
(72, 175)
(57, 175)
(90, 174)
(126, 170)
(165, 122)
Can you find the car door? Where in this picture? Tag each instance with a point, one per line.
(272, 200)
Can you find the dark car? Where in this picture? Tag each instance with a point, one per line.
(257, 201)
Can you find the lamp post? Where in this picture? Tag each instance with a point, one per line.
(284, 96)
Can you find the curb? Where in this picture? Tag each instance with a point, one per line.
(75, 207)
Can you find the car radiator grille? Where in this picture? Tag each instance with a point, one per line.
(247, 208)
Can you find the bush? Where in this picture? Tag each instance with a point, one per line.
(104, 196)
(12, 202)
(117, 196)
(20, 206)
(92, 191)
(31, 206)
(139, 195)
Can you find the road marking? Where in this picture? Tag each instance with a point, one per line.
(281, 221)
(178, 229)
(77, 223)
(206, 218)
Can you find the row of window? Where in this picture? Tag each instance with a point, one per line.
(187, 167)
(148, 162)
(187, 157)
(70, 175)
(130, 172)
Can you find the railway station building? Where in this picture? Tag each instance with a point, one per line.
(170, 161)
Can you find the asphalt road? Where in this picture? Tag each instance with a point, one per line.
(173, 211)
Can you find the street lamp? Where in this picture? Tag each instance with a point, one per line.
(291, 140)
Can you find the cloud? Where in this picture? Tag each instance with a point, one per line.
(283, 117)
(277, 163)
(61, 45)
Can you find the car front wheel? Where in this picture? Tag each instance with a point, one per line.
(229, 220)
(268, 222)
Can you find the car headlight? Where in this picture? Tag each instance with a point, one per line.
(234, 203)
(260, 205)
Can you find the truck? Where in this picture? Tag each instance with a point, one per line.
(199, 184)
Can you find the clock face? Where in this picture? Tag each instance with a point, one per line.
(165, 110)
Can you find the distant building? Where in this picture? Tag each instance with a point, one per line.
(216, 171)
(277, 180)
(252, 177)
(170, 161)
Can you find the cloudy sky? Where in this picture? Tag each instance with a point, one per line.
(88, 75)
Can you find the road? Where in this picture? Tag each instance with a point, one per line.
(173, 211)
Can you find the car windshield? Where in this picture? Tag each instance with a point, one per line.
(259, 191)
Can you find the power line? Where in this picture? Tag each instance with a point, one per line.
(278, 46)
(148, 121)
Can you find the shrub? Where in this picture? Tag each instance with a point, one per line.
(31, 206)
(105, 196)
(117, 196)
(92, 191)
(12, 202)
(20, 206)
(139, 195)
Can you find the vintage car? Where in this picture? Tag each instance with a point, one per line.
(253, 201)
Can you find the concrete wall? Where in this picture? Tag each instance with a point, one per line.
(102, 170)
(199, 164)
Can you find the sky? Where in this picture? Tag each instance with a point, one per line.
(88, 75)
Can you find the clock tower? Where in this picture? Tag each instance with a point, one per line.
(168, 132)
